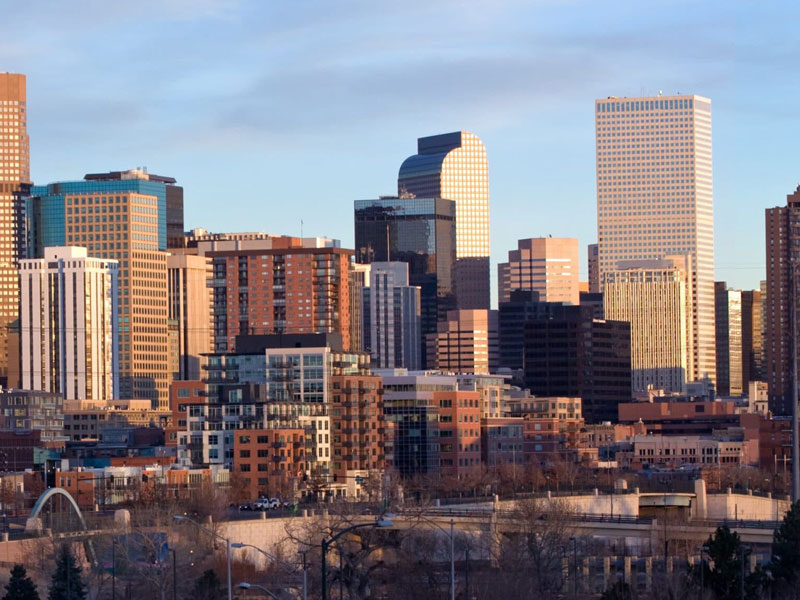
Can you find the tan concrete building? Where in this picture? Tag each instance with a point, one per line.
(68, 324)
(190, 307)
(86, 419)
(15, 181)
(655, 197)
(454, 166)
(547, 265)
(466, 342)
(655, 297)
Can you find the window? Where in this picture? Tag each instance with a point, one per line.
(245, 468)
(244, 453)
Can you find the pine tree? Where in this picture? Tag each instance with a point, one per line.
(67, 582)
(20, 586)
(207, 587)
(785, 563)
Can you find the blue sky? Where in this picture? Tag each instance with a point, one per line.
(269, 112)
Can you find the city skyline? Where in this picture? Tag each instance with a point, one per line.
(537, 129)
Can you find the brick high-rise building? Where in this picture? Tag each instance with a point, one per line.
(782, 235)
(654, 197)
(15, 181)
(279, 284)
(121, 215)
(547, 265)
(454, 166)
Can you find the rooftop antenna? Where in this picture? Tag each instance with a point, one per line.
(301, 229)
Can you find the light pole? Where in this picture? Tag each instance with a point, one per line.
(383, 522)
(246, 586)
(275, 559)
(574, 541)
(452, 554)
(215, 534)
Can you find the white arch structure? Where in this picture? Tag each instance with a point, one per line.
(34, 523)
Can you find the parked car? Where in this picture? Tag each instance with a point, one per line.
(267, 504)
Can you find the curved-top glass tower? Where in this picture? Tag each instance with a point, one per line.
(454, 166)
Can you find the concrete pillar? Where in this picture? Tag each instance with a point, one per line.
(209, 521)
(262, 515)
(437, 503)
(648, 573)
(701, 500)
(626, 568)
(584, 582)
(549, 494)
(325, 513)
(607, 570)
(305, 513)
(669, 564)
(596, 492)
(494, 539)
(5, 536)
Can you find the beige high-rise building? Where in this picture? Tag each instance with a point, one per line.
(454, 166)
(190, 307)
(655, 297)
(546, 265)
(68, 324)
(655, 197)
(466, 342)
(15, 181)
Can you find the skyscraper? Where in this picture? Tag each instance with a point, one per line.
(190, 308)
(729, 340)
(68, 324)
(654, 296)
(454, 166)
(391, 317)
(15, 180)
(547, 265)
(420, 232)
(594, 268)
(654, 196)
(752, 337)
(121, 215)
(466, 342)
(782, 241)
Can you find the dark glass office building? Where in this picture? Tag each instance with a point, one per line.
(417, 231)
(569, 353)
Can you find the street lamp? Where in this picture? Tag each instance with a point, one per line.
(246, 586)
(452, 555)
(275, 559)
(382, 522)
(215, 534)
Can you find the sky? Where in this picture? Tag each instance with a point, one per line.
(273, 112)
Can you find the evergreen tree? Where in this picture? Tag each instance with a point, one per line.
(619, 591)
(208, 587)
(785, 563)
(67, 582)
(725, 579)
(20, 586)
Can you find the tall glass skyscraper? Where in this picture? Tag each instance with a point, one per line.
(655, 197)
(417, 231)
(15, 179)
(454, 166)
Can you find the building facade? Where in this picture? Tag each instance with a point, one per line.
(752, 337)
(730, 360)
(15, 181)
(569, 353)
(120, 215)
(420, 232)
(655, 298)
(593, 260)
(655, 197)
(466, 342)
(548, 266)
(782, 255)
(190, 307)
(454, 166)
(390, 313)
(69, 329)
(280, 285)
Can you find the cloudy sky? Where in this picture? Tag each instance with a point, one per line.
(269, 112)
